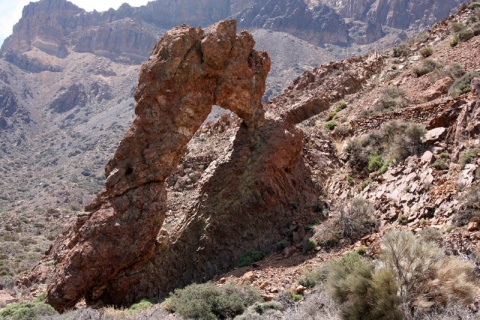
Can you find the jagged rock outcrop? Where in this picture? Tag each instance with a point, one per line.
(319, 25)
(250, 198)
(316, 90)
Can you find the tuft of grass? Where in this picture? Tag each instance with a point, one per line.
(140, 306)
(330, 125)
(339, 106)
(465, 35)
(426, 52)
(427, 66)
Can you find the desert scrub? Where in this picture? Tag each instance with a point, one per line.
(426, 278)
(465, 35)
(311, 245)
(330, 125)
(27, 311)
(439, 164)
(331, 115)
(426, 52)
(454, 41)
(140, 306)
(467, 156)
(474, 5)
(400, 51)
(462, 85)
(248, 258)
(427, 66)
(260, 310)
(392, 98)
(339, 106)
(469, 207)
(457, 26)
(393, 141)
(208, 301)
(350, 222)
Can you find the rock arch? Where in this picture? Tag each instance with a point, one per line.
(112, 253)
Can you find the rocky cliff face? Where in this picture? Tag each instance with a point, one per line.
(318, 25)
(251, 190)
(401, 14)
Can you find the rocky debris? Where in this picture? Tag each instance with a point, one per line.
(315, 91)
(67, 99)
(438, 88)
(252, 197)
(475, 86)
(435, 135)
(6, 299)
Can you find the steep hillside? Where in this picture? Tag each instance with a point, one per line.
(66, 101)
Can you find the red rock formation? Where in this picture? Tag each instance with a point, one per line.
(250, 200)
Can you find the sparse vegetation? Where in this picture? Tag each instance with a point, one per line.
(462, 85)
(467, 156)
(330, 125)
(248, 258)
(394, 140)
(339, 106)
(351, 222)
(208, 301)
(469, 206)
(401, 51)
(426, 52)
(465, 35)
(392, 97)
(427, 66)
(27, 311)
(454, 41)
(439, 164)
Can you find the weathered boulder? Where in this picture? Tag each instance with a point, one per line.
(258, 193)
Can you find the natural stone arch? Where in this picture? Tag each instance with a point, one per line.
(189, 71)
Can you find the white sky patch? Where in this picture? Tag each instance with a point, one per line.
(11, 10)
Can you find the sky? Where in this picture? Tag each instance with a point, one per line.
(11, 10)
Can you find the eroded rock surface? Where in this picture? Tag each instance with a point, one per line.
(249, 198)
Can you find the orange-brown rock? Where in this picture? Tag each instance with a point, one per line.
(249, 200)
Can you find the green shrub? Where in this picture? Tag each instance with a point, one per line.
(474, 5)
(401, 51)
(393, 141)
(339, 106)
(311, 245)
(439, 164)
(350, 180)
(427, 66)
(208, 301)
(331, 115)
(462, 85)
(454, 41)
(27, 311)
(296, 297)
(375, 162)
(330, 125)
(248, 258)
(467, 156)
(140, 306)
(402, 219)
(465, 35)
(457, 26)
(316, 276)
(426, 52)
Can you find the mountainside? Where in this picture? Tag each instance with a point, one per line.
(67, 84)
